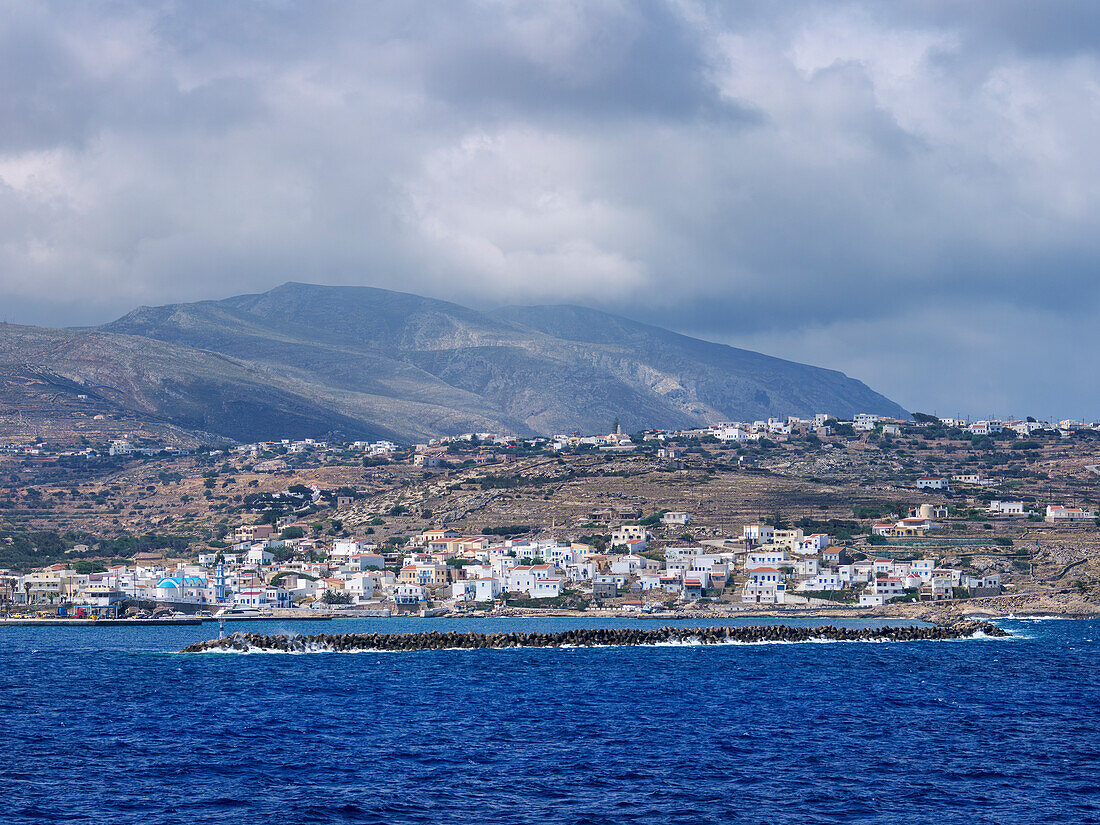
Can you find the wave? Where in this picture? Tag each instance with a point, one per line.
(1014, 618)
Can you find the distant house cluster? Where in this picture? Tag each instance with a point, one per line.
(786, 565)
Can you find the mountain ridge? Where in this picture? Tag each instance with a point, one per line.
(303, 359)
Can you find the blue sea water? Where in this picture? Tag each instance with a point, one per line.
(113, 725)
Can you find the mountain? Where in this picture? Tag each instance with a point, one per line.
(371, 363)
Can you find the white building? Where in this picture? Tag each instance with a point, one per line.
(631, 563)
(262, 596)
(680, 553)
(258, 555)
(408, 594)
(806, 568)
(938, 588)
(525, 578)
(121, 447)
(580, 571)
(731, 433)
(933, 484)
(481, 589)
(864, 421)
(1056, 513)
(758, 533)
(923, 568)
(190, 589)
(627, 533)
(547, 588)
(789, 539)
(361, 586)
(824, 580)
(969, 478)
(986, 427)
(763, 593)
(889, 588)
(345, 548)
(765, 575)
(815, 543)
(1008, 508)
(766, 558)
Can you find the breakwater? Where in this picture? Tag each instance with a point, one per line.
(589, 637)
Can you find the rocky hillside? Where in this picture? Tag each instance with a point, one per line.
(354, 361)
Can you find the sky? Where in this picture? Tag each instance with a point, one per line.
(906, 191)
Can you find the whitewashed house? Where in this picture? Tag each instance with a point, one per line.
(815, 543)
(257, 555)
(1008, 508)
(546, 588)
(765, 575)
(1058, 514)
(824, 580)
(407, 593)
(764, 558)
(628, 533)
(758, 533)
(763, 592)
(939, 483)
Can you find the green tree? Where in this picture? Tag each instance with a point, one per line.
(336, 597)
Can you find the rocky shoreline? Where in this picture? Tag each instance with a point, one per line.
(588, 637)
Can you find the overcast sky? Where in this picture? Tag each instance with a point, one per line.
(907, 192)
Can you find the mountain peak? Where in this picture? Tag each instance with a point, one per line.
(307, 359)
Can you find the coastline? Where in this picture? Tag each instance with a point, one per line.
(1061, 606)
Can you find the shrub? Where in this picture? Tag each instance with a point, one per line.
(507, 530)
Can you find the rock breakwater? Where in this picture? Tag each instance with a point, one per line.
(589, 637)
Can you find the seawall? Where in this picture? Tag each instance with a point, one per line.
(589, 637)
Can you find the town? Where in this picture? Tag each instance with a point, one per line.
(338, 551)
(264, 570)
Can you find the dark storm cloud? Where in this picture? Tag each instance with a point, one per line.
(645, 63)
(1041, 29)
(906, 191)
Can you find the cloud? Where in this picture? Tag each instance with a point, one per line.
(987, 360)
(908, 192)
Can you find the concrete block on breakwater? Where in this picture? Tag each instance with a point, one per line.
(589, 637)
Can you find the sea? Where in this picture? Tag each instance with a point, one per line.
(114, 725)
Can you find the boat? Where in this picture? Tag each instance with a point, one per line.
(236, 611)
